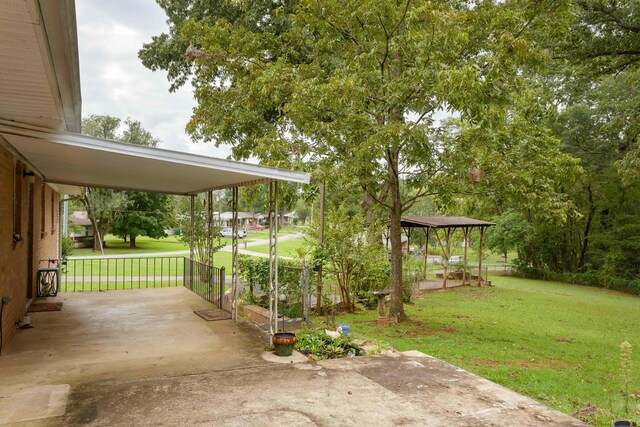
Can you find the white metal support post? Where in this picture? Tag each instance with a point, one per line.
(191, 232)
(234, 254)
(273, 259)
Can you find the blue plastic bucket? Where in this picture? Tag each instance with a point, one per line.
(345, 328)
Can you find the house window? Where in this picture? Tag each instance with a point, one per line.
(42, 210)
(17, 201)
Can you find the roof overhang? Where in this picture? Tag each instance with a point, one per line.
(69, 159)
(39, 65)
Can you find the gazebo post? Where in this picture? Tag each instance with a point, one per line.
(448, 253)
(466, 244)
(480, 257)
(426, 250)
(445, 259)
(234, 253)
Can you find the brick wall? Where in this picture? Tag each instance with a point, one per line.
(16, 272)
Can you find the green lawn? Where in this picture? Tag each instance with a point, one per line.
(285, 248)
(126, 273)
(116, 246)
(558, 343)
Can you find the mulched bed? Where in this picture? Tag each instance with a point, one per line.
(213, 314)
(45, 306)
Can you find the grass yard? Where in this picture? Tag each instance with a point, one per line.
(556, 342)
(127, 273)
(116, 246)
(286, 248)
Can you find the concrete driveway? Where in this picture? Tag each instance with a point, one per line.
(133, 358)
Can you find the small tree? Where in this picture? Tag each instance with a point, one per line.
(510, 231)
(355, 262)
(200, 232)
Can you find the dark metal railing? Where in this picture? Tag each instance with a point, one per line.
(102, 274)
(205, 280)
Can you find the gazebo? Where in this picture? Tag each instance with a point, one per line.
(449, 224)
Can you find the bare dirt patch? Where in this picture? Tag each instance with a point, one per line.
(555, 365)
(411, 329)
(527, 364)
(488, 363)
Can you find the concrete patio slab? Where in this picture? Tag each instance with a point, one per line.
(389, 390)
(126, 334)
(123, 358)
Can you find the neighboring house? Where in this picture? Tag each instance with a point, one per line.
(290, 218)
(403, 238)
(84, 237)
(244, 219)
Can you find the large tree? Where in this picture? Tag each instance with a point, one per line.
(148, 214)
(107, 207)
(356, 83)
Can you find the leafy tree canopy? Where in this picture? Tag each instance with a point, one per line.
(359, 83)
(128, 214)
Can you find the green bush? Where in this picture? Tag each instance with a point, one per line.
(322, 346)
(411, 273)
(255, 271)
(66, 247)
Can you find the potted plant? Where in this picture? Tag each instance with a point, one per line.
(283, 343)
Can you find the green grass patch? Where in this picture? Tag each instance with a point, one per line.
(117, 246)
(130, 273)
(285, 248)
(556, 342)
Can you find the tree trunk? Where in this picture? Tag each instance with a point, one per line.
(396, 308)
(97, 235)
(587, 229)
(132, 240)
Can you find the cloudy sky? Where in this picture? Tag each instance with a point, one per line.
(115, 82)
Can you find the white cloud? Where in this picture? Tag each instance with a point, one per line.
(115, 82)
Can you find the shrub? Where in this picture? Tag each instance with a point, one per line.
(255, 271)
(322, 346)
(66, 247)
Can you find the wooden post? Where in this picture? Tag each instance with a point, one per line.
(480, 257)
(448, 252)
(445, 261)
(426, 250)
(464, 267)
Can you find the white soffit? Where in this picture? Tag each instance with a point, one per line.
(25, 87)
(78, 160)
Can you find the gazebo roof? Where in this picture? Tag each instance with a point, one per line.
(443, 222)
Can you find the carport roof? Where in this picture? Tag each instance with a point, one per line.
(73, 160)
